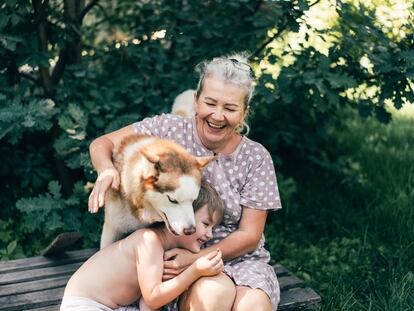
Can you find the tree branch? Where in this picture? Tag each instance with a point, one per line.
(280, 30)
(30, 78)
(86, 10)
(39, 9)
(41, 14)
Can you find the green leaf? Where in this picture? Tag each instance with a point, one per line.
(382, 114)
(54, 189)
(11, 247)
(10, 42)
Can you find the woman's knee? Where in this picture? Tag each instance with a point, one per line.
(251, 299)
(210, 293)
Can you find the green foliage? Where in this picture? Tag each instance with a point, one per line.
(352, 238)
(25, 115)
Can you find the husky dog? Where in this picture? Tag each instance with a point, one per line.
(159, 182)
(183, 104)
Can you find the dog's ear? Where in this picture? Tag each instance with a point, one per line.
(204, 161)
(152, 157)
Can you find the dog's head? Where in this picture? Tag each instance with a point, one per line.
(170, 185)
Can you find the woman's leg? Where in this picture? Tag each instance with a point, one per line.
(248, 299)
(215, 293)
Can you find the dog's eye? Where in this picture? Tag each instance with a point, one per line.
(172, 200)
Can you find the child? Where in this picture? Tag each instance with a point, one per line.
(121, 273)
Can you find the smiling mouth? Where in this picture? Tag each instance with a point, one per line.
(215, 126)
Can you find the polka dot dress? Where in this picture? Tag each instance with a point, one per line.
(244, 178)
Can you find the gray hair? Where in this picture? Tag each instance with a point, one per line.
(234, 69)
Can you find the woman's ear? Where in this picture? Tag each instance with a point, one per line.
(195, 102)
(245, 114)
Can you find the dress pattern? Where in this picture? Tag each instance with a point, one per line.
(244, 178)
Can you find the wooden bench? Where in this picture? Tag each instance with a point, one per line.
(37, 283)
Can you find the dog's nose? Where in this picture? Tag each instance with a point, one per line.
(189, 231)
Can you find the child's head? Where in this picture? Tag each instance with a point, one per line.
(208, 210)
(209, 197)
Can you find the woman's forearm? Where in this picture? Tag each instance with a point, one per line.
(101, 153)
(101, 148)
(235, 245)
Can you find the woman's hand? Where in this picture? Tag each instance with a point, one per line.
(107, 178)
(176, 260)
(210, 264)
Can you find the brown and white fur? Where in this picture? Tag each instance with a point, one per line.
(159, 182)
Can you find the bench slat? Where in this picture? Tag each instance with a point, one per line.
(288, 282)
(298, 297)
(280, 270)
(33, 286)
(43, 262)
(37, 274)
(32, 300)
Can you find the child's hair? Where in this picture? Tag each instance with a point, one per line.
(209, 197)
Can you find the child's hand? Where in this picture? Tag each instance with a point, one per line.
(210, 264)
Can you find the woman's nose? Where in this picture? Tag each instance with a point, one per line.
(218, 114)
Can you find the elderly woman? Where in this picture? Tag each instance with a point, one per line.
(243, 175)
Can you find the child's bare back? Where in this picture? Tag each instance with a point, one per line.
(110, 276)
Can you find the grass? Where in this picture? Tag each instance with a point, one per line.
(352, 238)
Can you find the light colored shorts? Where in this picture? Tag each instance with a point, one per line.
(76, 303)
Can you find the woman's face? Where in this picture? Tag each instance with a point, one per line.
(220, 109)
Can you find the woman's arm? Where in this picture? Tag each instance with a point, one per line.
(244, 240)
(101, 156)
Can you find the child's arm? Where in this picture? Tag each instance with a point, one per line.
(150, 268)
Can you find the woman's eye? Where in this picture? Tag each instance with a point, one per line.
(172, 200)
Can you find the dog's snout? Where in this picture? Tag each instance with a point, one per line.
(190, 230)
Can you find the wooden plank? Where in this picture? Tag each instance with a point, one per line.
(289, 282)
(33, 286)
(280, 270)
(38, 274)
(298, 298)
(42, 261)
(31, 300)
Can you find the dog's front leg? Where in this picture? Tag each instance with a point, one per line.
(109, 235)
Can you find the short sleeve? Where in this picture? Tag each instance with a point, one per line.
(159, 125)
(260, 190)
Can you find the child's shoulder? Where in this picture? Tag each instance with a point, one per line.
(146, 234)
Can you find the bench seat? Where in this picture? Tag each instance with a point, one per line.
(37, 283)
